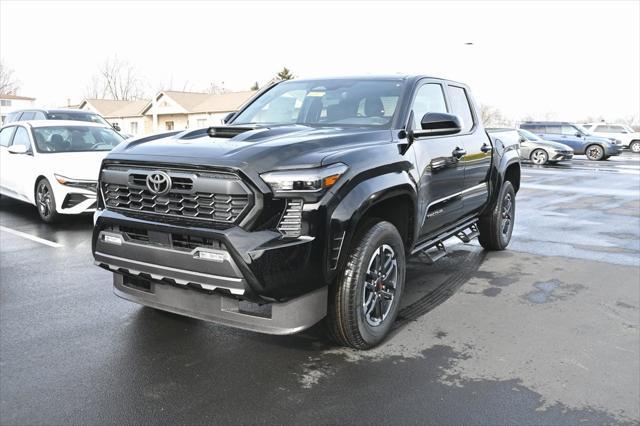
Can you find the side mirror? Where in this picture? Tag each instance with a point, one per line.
(578, 134)
(18, 149)
(228, 117)
(116, 127)
(522, 140)
(438, 124)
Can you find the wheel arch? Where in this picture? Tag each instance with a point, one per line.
(390, 197)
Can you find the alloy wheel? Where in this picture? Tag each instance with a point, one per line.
(44, 200)
(380, 285)
(539, 157)
(635, 147)
(595, 152)
(507, 214)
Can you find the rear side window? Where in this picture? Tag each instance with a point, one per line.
(460, 107)
(11, 117)
(604, 129)
(554, 129)
(5, 135)
(533, 128)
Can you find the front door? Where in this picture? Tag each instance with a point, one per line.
(6, 135)
(441, 172)
(21, 166)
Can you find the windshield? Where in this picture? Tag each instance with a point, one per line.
(582, 129)
(340, 102)
(528, 135)
(77, 116)
(75, 139)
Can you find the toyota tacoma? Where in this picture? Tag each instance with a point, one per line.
(305, 204)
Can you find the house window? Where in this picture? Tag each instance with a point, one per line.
(134, 127)
(5, 102)
(201, 122)
(169, 125)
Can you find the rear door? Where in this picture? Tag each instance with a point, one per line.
(477, 161)
(441, 172)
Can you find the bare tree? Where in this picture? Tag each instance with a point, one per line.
(255, 86)
(491, 116)
(216, 89)
(9, 84)
(116, 79)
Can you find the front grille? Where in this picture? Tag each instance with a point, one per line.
(216, 197)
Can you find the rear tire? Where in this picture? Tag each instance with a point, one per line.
(594, 152)
(46, 201)
(365, 298)
(634, 146)
(496, 226)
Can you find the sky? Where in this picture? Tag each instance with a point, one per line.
(561, 60)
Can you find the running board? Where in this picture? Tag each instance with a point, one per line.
(466, 231)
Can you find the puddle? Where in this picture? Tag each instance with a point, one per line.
(544, 293)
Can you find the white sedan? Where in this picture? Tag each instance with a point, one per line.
(53, 164)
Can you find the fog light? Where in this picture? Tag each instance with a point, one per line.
(214, 257)
(110, 239)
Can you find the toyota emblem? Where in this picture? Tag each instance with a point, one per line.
(158, 183)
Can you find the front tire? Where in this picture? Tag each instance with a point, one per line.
(496, 227)
(365, 299)
(634, 146)
(539, 157)
(594, 152)
(45, 201)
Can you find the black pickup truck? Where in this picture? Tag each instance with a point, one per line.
(305, 204)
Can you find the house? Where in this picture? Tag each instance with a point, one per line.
(171, 110)
(126, 114)
(10, 102)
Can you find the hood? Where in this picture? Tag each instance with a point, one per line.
(261, 149)
(75, 165)
(602, 139)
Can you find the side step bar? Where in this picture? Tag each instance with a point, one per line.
(465, 232)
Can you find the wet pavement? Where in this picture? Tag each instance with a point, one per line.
(547, 332)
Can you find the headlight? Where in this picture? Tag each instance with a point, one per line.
(91, 185)
(304, 180)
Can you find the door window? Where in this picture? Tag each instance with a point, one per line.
(569, 130)
(39, 115)
(460, 107)
(21, 138)
(5, 135)
(430, 98)
(554, 129)
(27, 115)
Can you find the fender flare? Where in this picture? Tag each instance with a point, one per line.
(353, 206)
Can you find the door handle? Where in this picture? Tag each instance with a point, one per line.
(459, 152)
(485, 148)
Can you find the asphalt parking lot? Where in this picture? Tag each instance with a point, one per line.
(547, 332)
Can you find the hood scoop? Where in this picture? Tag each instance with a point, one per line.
(229, 131)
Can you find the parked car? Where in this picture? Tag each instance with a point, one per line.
(596, 148)
(57, 114)
(54, 165)
(305, 205)
(629, 137)
(540, 151)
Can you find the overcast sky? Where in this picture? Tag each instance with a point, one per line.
(565, 59)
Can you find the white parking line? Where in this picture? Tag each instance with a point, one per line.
(581, 190)
(30, 237)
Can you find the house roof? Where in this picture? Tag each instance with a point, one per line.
(194, 102)
(116, 108)
(15, 97)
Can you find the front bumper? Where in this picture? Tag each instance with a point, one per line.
(612, 150)
(215, 266)
(561, 156)
(277, 318)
